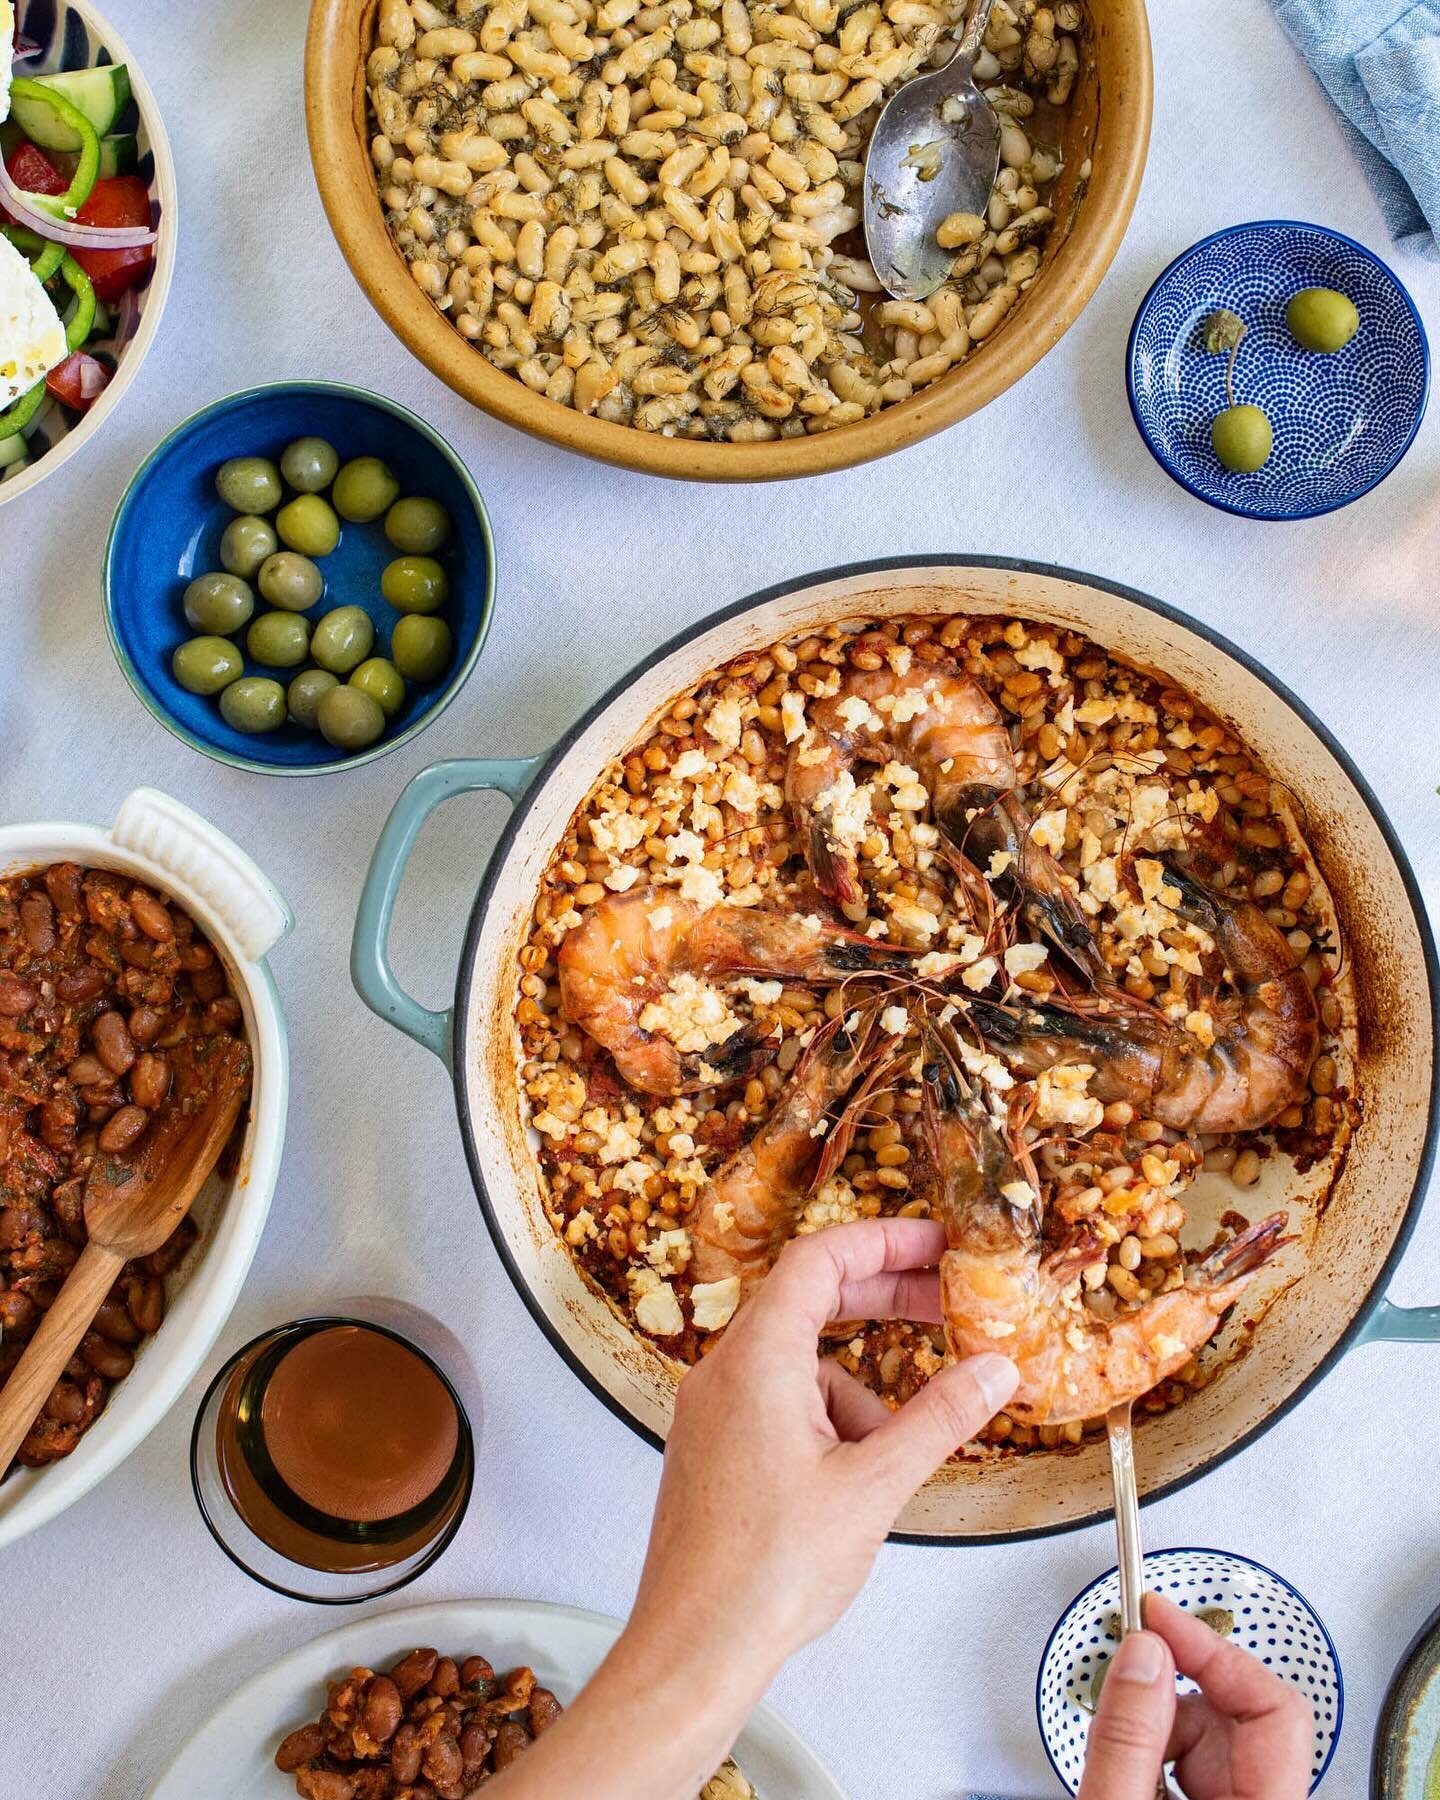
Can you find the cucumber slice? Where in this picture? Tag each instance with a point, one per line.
(101, 94)
(118, 155)
(12, 449)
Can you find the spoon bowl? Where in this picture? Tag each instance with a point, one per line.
(935, 151)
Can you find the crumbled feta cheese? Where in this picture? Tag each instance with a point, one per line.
(997, 1328)
(582, 1229)
(724, 723)
(668, 1252)
(742, 791)
(894, 1020)
(631, 1177)
(1040, 653)
(692, 1014)
(985, 1066)
(713, 1303)
(937, 963)
(899, 657)
(1000, 861)
(553, 1128)
(1201, 1027)
(621, 880)
(908, 706)
(835, 1202)
(1048, 830)
(702, 886)
(792, 715)
(857, 712)
(910, 916)
(911, 794)
(979, 975)
(762, 993)
(1102, 878)
(684, 846)
(689, 764)
(656, 1308)
(617, 831)
(1024, 959)
(724, 1216)
(660, 918)
(1166, 1347)
(1061, 1098)
(1018, 1193)
(847, 807)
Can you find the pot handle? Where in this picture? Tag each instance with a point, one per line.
(1393, 1324)
(370, 970)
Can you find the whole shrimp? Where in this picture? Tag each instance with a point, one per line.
(627, 950)
(943, 724)
(751, 1205)
(1266, 1031)
(999, 1292)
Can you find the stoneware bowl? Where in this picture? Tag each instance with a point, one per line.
(1407, 1739)
(1107, 126)
(1272, 1621)
(1341, 421)
(167, 530)
(159, 841)
(73, 35)
(1323, 1294)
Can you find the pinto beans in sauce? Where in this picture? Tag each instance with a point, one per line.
(100, 980)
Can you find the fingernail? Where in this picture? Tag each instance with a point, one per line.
(1140, 1658)
(996, 1377)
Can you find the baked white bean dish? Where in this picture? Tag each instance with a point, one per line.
(651, 213)
(945, 917)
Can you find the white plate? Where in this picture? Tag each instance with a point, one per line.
(231, 1756)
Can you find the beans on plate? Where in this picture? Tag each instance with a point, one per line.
(102, 982)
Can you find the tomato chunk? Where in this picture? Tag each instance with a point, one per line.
(122, 200)
(78, 372)
(33, 170)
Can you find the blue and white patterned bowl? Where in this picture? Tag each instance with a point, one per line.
(1272, 1621)
(72, 35)
(1341, 421)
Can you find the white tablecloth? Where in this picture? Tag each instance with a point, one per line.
(121, 1625)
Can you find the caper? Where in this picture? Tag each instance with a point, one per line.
(415, 584)
(251, 484)
(364, 489)
(420, 646)
(305, 693)
(309, 465)
(218, 604)
(349, 718)
(280, 640)
(1321, 319)
(1242, 438)
(343, 639)
(207, 665)
(417, 526)
(291, 581)
(246, 542)
(382, 681)
(308, 524)
(253, 704)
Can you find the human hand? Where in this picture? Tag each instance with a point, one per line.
(783, 1474)
(1245, 1736)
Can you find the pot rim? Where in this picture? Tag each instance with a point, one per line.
(36, 844)
(549, 761)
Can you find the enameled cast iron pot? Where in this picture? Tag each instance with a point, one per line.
(1346, 1256)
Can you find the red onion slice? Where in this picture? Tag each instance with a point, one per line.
(68, 232)
(24, 48)
(94, 379)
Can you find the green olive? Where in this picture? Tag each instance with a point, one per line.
(349, 719)
(290, 581)
(246, 542)
(382, 681)
(1321, 319)
(205, 665)
(250, 484)
(218, 604)
(309, 465)
(280, 640)
(364, 489)
(253, 704)
(308, 524)
(415, 584)
(418, 526)
(420, 646)
(1242, 438)
(305, 694)
(343, 639)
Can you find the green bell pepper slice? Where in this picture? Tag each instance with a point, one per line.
(63, 207)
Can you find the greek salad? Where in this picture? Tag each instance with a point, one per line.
(75, 236)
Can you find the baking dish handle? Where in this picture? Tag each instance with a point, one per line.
(1393, 1324)
(370, 970)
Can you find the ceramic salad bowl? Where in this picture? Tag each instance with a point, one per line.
(174, 850)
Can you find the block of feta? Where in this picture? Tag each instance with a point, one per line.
(7, 52)
(32, 338)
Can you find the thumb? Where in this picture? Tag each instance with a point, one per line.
(947, 1412)
(1132, 1724)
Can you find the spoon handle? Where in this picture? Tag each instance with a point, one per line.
(43, 1362)
(1127, 1532)
(974, 33)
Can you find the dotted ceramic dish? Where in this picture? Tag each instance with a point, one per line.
(167, 529)
(1341, 421)
(1272, 1621)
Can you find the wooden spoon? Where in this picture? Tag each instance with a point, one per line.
(131, 1207)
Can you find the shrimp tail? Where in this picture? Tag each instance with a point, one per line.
(741, 1054)
(1239, 1256)
(833, 870)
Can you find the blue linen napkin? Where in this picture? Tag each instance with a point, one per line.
(1379, 61)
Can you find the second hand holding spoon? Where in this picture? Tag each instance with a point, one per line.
(935, 150)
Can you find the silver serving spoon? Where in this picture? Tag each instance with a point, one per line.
(935, 150)
(1127, 1533)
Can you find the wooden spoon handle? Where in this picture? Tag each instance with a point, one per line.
(45, 1356)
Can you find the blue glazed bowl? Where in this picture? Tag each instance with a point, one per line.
(167, 530)
(1341, 421)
